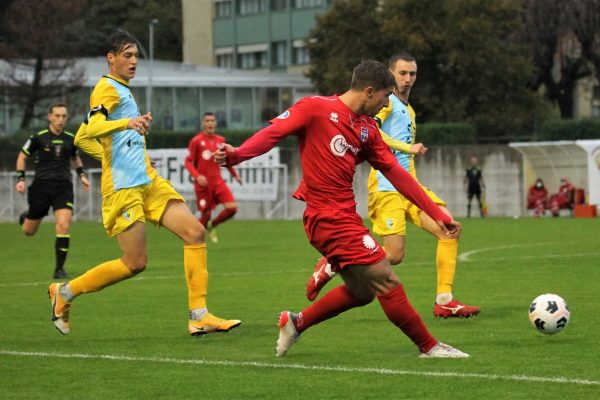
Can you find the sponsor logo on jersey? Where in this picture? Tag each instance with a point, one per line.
(364, 134)
(339, 146)
(284, 115)
(135, 143)
(333, 117)
(207, 154)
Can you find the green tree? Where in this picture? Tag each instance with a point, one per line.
(342, 37)
(105, 16)
(471, 67)
(38, 46)
(548, 33)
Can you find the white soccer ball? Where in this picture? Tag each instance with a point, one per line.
(549, 313)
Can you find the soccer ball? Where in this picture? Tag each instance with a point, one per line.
(549, 313)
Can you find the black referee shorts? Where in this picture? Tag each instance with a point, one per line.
(43, 194)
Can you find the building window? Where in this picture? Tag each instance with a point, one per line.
(225, 60)
(252, 60)
(223, 8)
(308, 3)
(301, 55)
(279, 53)
(249, 7)
(279, 5)
(595, 111)
(596, 93)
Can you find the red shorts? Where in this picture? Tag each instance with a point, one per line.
(341, 236)
(208, 197)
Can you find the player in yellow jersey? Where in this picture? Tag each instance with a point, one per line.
(133, 193)
(389, 210)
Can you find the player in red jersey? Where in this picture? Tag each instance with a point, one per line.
(334, 135)
(209, 186)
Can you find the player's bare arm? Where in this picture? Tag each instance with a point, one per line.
(202, 181)
(83, 178)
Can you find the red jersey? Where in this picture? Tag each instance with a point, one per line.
(201, 159)
(332, 141)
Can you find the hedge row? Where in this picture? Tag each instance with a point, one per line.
(430, 134)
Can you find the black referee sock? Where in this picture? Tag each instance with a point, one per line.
(61, 247)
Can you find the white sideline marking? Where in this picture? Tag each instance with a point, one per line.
(465, 257)
(377, 371)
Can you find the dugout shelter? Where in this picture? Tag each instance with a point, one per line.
(578, 161)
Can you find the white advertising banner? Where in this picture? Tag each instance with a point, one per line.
(260, 176)
(592, 147)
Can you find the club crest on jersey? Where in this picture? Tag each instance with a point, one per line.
(364, 134)
(333, 117)
(284, 115)
(339, 146)
(207, 154)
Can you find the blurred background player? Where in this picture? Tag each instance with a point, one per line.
(334, 135)
(389, 210)
(563, 199)
(537, 198)
(474, 185)
(133, 193)
(209, 186)
(54, 151)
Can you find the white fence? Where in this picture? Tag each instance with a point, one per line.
(264, 189)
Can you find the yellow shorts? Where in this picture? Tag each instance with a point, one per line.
(140, 203)
(389, 211)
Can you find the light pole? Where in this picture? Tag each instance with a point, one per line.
(150, 62)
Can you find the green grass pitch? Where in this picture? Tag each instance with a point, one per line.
(130, 341)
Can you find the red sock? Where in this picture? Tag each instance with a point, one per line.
(224, 216)
(398, 309)
(335, 302)
(204, 218)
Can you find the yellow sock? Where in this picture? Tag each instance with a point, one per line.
(100, 277)
(447, 252)
(196, 274)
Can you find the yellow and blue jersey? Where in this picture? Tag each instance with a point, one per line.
(125, 162)
(397, 120)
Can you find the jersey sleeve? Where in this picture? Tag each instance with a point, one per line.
(103, 101)
(88, 144)
(30, 146)
(383, 114)
(189, 160)
(292, 121)
(296, 118)
(395, 144)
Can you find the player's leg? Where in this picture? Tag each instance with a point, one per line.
(221, 195)
(470, 195)
(446, 259)
(61, 244)
(39, 199)
(229, 210)
(62, 204)
(175, 216)
(123, 217)
(387, 214)
(202, 203)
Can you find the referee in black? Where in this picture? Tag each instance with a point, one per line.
(54, 151)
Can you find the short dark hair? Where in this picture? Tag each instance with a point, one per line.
(371, 73)
(55, 105)
(403, 55)
(118, 40)
(208, 114)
